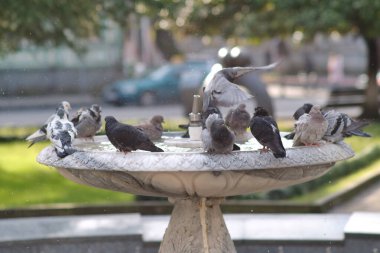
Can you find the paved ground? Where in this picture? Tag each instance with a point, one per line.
(34, 111)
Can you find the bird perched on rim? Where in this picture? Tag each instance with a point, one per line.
(264, 128)
(61, 132)
(40, 134)
(222, 89)
(154, 128)
(238, 120)
(88, 121)
(340, 125)
(305, 108)
(127, 138)
(217, 137)
(310, 128)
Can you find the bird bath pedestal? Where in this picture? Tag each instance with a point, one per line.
(194, 181)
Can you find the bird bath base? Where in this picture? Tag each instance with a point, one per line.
(197, 226)
(195, 182)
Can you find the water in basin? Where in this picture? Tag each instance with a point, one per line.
(170, 142)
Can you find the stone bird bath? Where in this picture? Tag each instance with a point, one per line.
(194, 181)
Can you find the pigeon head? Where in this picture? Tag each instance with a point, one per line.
(66, 106)
(96, 108)
(315, 110)
(157, 119)
(61, 113)
(242, 107)
(260, 111)
(110, 119)
(211, 119)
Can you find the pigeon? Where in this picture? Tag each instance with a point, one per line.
(222, 90)
(238, 120)
(127, 138)
(40, 134)
(340, 125)
(88, 121)
(305, 108)
(264, 128)
(217, 137)
(154, 128)
(61, 132)
(310, 128)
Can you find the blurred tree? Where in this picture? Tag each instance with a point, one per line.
(63, 22)
(272, 18)
(72, 23)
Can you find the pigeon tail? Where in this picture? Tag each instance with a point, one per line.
(357, 132)
(156, 149)
(290, 136)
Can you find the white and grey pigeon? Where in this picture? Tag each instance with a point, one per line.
(238, 120)
(61, 132)
(40, 134)
(340, 125)
(217, 137)
(222, 89)
(264, 128)
(310, 128)
(88, 121)
(153, 129)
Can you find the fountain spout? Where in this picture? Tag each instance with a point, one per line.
(195, 126)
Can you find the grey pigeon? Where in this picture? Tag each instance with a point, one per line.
(154, 128)
(340, 125)
(127, 138)
(222, 89)
(238, 120)
(264, 128)
(40, 134)
(61, 132)
(310, 128)
(216, 137)
(88, 121)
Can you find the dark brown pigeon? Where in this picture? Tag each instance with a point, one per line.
(264, 128)
(127, 138)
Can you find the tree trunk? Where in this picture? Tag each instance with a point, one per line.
(371, 104)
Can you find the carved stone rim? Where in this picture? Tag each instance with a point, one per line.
(196, 161)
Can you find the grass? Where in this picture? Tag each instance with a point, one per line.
(24, 182)
(334, 187)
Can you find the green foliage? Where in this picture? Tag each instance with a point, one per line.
(54, 23)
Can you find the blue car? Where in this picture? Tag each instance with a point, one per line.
(161, 85)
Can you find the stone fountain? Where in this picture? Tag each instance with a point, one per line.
(194, 181)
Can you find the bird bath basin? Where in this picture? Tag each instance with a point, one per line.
(194, 181)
